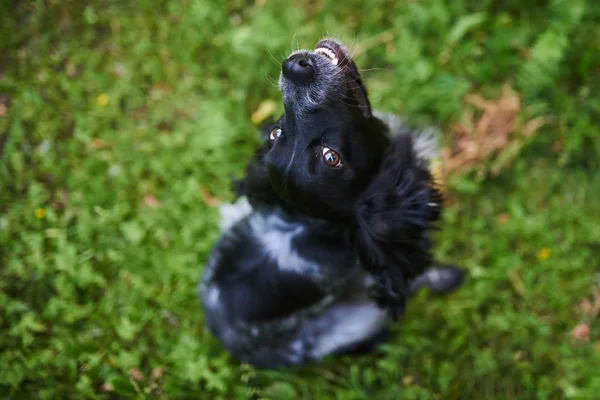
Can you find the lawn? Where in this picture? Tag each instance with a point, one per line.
(122, 123)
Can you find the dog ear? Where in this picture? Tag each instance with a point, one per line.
(394, 217)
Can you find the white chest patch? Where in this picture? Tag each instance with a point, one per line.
(232, 213)
(276, 236)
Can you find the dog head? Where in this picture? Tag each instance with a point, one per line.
(327, 145)
(330, 158)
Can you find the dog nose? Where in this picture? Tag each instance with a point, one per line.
(298, 68)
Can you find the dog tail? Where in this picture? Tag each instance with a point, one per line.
(439, 280)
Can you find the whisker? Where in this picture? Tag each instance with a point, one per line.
(370, 69)
(297, 46)
(374, 41)
(277, 62)
(272, 81)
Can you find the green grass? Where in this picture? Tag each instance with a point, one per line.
(111, 107)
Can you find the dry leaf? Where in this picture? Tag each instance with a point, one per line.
(486, 128)
(136, 375)
(587, 306)
(71, 69)
(151, 201)
(502, 218)
(532, 126)
(99, 144)
(264, 111)
(160, 90)
(380, 38)
(156, 373)
(4, 103)
(558, 146)
(408, 380)
(107, 387)
(581, 332)
(208, 198)
(591, 306)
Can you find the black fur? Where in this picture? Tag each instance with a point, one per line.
(325, 241)
(394, 217)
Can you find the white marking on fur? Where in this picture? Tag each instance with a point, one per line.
(426, 144)
(349, 324)
(393, 122)
(368, 280)
(434, 275)
(232, 213)
(212, 297)
(297, 346)
(276, 235)
(426, 141)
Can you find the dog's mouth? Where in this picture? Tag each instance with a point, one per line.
(327, 52)
(338, 55)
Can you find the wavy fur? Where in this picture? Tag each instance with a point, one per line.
(393, 219)
(321, 258)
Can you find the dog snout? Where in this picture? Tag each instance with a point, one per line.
(298, 68)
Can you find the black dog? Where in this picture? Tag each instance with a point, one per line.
(331, 233)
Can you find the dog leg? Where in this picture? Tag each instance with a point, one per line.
(346, 328)
(365, 346)
(440, 279)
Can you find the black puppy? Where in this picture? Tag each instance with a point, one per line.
(332, 230)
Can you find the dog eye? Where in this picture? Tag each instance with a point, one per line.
(331, 158)
(275, 133)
